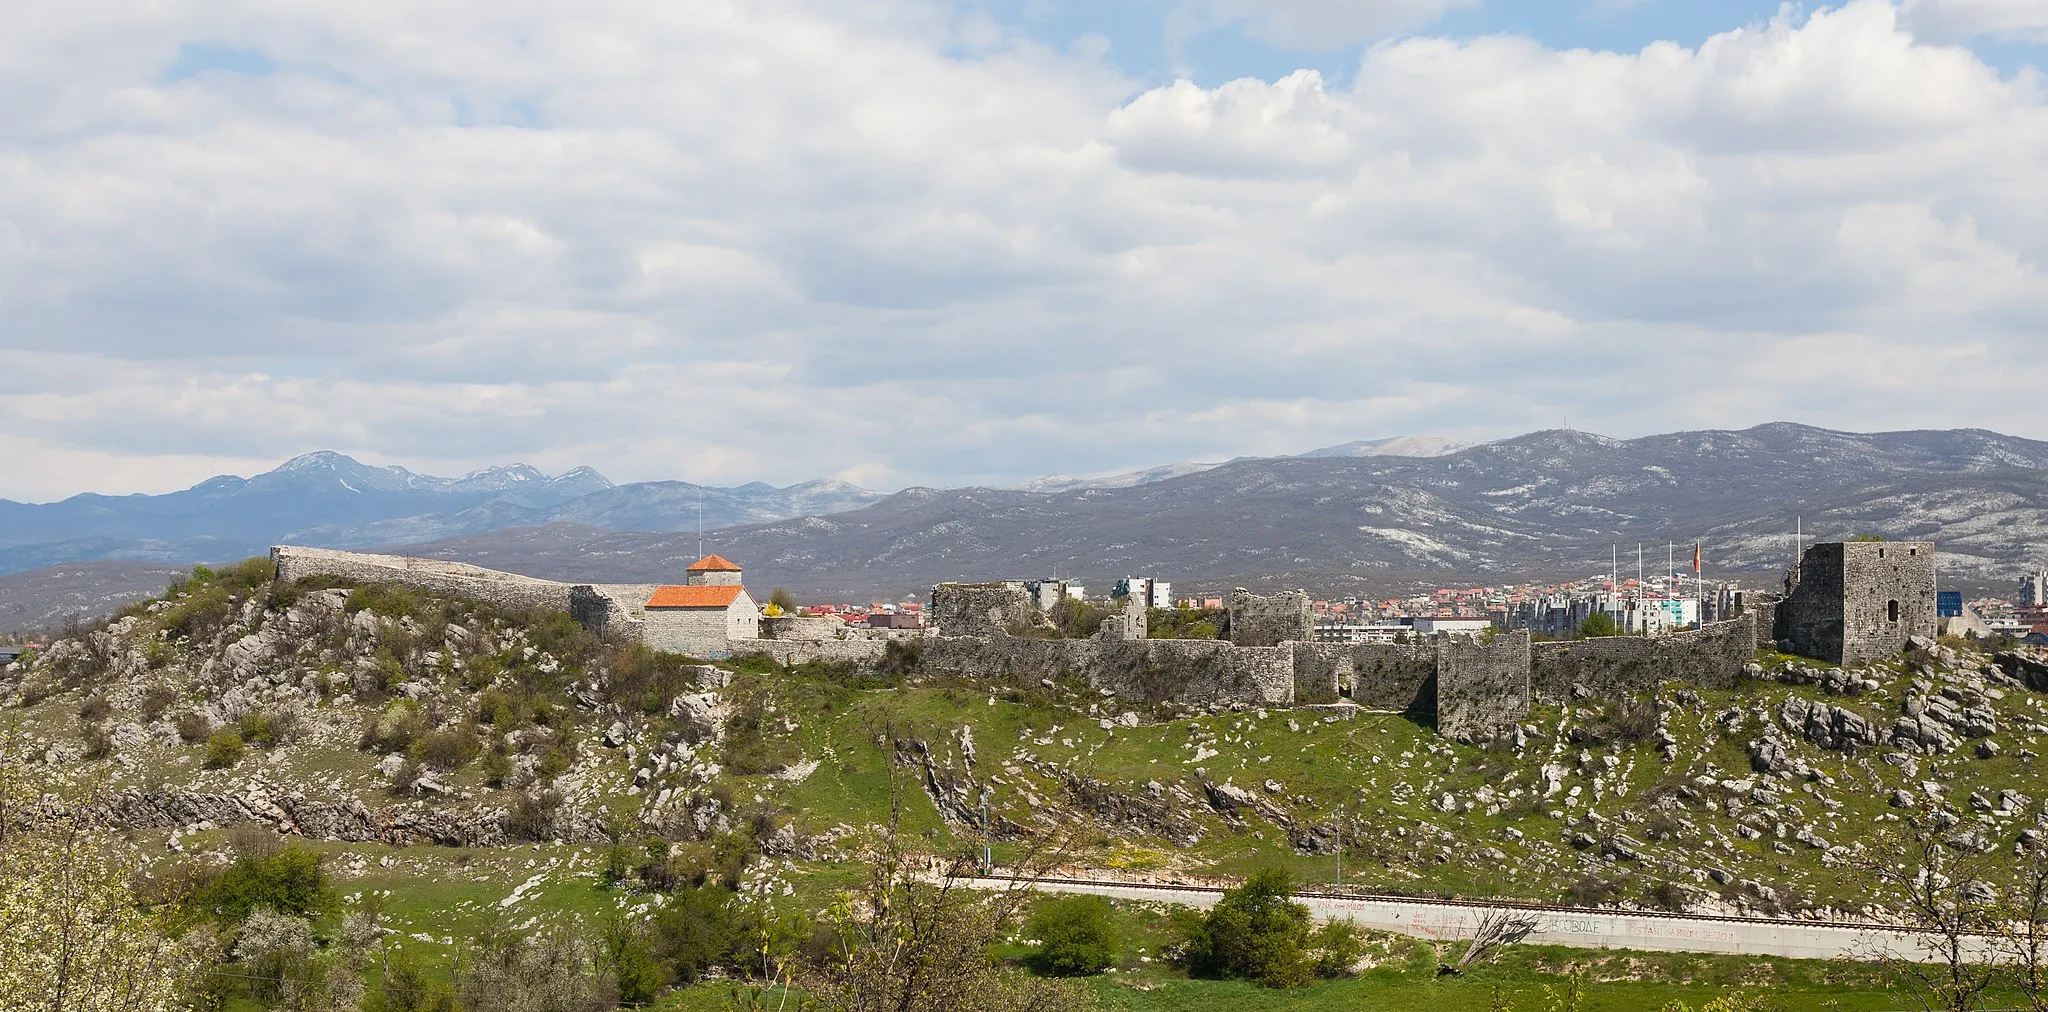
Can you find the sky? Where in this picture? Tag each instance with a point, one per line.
(922, 242)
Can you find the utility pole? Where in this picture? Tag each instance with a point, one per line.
(988, 862)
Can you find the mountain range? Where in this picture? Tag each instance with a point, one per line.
(330, 500)
(1367, 517)
(1547, 505)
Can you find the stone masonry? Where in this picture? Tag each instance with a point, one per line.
(982, 609)
(1851, 602)
(1255, 621)
(1473, 689)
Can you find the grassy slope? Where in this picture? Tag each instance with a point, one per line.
(1391, 775)
(1388, 773)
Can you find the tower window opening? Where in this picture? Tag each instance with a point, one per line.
(1891, 611)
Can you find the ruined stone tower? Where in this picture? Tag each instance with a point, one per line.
(1849, 602)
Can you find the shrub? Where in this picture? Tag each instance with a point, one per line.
(499, 710)
(1256, 931)
(407, 989)
(901, 658)
(223, 749)
(1593, 890)
(532, 815)
(99, 741)
(497, 769)
(289, 881)
(1629, 722)
(447, 749)
(155, 700)
(1077, 619)
(555, 760)
(203, 611)
(1076, 936)
(641, 678)
(266, 728)
(670, 866)
(1598, 624)
(193, 727)
(246, 575)
(1183, 623)
(275, 949)
(97, 707)
(1667, 895)
(405, 777)
(387, 601)
(393, 728)
(694, 932)
(1339, 946)
(626, 955)
(750, 748)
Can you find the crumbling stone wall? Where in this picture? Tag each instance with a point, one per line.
(611, 608)
(1377, 676)
(1762, 607)
(1195, 672)
(1711, 658)
(1852, 602)
(1132, 623)
(506, 590)
(801, 627)
(1254, 621)
(982, 609)
(863, 651)
(1482, 684)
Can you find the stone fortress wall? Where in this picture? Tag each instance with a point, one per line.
(1254, 621)
(1470, 688)
(1711, 658)
(432, 575)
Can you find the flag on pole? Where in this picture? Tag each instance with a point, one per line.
(1695, 560)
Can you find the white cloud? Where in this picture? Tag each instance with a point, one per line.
(781, 239)
(1955, 20)
(1325, 25)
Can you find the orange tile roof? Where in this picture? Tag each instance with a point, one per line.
(712, 564)
(694, 597)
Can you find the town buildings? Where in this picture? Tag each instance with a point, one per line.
(1145, 590)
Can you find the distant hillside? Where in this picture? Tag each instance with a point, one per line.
(331, 500)
(1539, 506)
(1397, 446)
(45, 599)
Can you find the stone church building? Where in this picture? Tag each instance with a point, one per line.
(705, 615)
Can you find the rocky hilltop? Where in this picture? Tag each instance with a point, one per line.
(382, 717)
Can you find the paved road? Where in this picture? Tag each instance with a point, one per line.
(1591, 929)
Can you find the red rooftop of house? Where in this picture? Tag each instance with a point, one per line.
(693, 597)
(712, 564)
